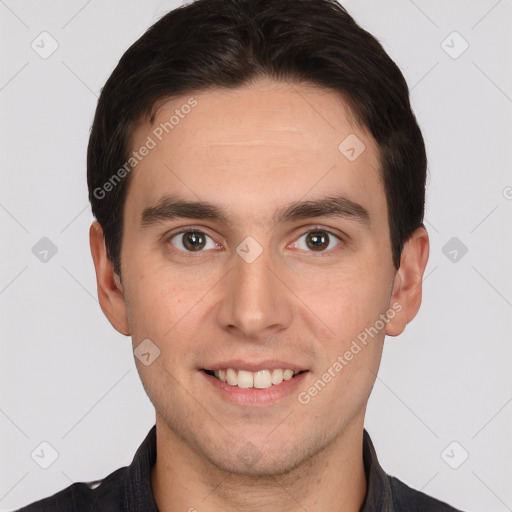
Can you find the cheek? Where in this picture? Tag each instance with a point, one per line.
(349, 300)
(153, 304)
(353, 351)
(167, 307)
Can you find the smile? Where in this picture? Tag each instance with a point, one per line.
(261, 379)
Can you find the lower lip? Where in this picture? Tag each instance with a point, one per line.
(254, 397)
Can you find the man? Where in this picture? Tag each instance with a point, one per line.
(258, 180)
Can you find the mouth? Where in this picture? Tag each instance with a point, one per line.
(260, 379)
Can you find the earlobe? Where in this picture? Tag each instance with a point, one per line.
(407, 285)
(110, 288)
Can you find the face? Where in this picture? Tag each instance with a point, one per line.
(282, 266)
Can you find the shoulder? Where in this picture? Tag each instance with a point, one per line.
(85, 496)
(406, 499)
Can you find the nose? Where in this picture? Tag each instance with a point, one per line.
(254, 302)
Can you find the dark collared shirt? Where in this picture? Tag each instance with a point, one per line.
(129, 489)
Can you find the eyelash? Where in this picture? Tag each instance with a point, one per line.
(168, 240)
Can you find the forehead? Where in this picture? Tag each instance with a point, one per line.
(257, 147)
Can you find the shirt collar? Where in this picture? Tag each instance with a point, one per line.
(378, 489)
(138, 493)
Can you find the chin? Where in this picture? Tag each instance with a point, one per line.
(269, 462)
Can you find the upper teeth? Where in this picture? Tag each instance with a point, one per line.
(261, 379)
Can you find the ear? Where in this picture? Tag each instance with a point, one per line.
(407, 285)
(110, 288)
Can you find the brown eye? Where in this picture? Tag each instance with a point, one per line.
(318, 241)
(192, 241)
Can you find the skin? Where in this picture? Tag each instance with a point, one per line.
(253, 150)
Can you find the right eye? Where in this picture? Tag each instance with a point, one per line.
(192, 241)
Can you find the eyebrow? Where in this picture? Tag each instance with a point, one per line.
(172, 207)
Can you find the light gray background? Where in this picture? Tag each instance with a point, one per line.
(69, 379)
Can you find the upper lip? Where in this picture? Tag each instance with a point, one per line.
(270, 364)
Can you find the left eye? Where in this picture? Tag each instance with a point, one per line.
(192, 241)
(318, 241)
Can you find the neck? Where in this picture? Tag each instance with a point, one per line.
(332, 480)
